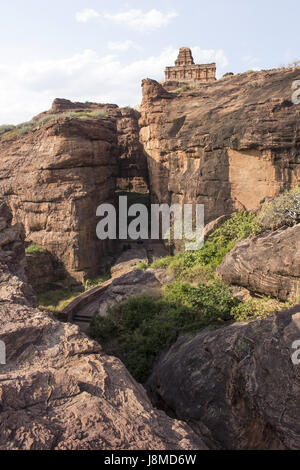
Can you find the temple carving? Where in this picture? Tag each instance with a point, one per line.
(186, 70)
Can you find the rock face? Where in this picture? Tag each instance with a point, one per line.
(236, 386)
(58, 390)
(43, 271)
(213, 144)
(55, 177)
(133, 169)
(13, 281)
(268, 265)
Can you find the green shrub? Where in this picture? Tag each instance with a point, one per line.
(162, 263)
(19, 130)
(185, 87)
(283, 210)
(24, 130)
(34, 249)
(214, 301)
(254, 309)
(142, 266)
(84, 114)
(56, 300)
(25, 127)
(240, 226)
(6, 127)
(97, 281)
(41, 122)
(9, 135)
(140, 328)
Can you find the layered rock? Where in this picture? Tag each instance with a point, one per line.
(58, 390)
(56, 176)
(268, 264)
(13, 281)
(227, 144)
(133, 169)
(236, 386)
(54, 179)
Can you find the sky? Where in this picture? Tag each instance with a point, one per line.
(95, 50)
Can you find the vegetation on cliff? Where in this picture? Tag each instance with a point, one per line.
(9, 131)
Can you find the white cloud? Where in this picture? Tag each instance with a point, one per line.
(86, 15)
(205, 56)
(122, 46)
(28, 88)
(142, 21)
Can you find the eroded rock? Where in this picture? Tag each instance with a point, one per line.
(227, 145)
(236, 386)
(267, 264)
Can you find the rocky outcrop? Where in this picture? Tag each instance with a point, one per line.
(227, 144)
(236, 386)
(56, 176)
(268, 264)
(58, 390)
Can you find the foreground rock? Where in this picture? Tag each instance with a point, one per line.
(237, 386)
(268, 265)
(58, 390)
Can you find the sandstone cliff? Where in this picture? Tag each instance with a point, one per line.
(56, 176)
(227, 144)
(58, 390)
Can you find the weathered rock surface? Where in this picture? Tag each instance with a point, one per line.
(236, 386)
(56, 176)
(13, 281)
(43, 271)
(227, 144)
(268, 264)
(58, 390)
(133, 169)
(54, 179)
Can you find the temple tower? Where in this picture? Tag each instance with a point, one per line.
(186, 70)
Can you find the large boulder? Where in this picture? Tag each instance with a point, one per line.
(236, 386)
(268, 264)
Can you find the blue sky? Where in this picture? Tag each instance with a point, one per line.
(99, 51)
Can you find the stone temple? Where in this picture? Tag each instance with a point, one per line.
(186, 70)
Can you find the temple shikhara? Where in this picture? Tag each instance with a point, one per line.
(185, 69)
